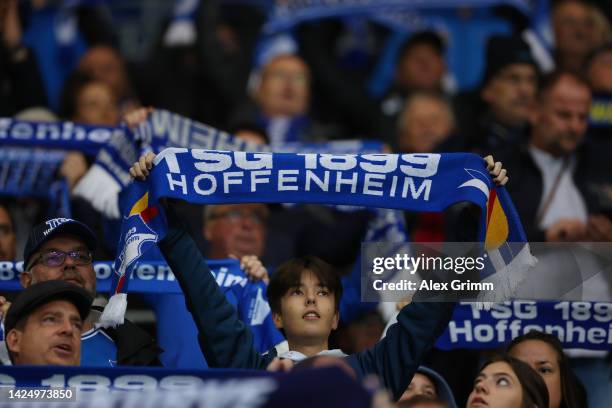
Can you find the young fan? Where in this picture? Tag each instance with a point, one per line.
(304, 295)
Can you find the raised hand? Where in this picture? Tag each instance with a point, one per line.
(140, 169)
(496, 171)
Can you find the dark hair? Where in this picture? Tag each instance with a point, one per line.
(573, 394)
(73, 86)
(7, 207)
(535, 393)
(427, 37)
(250, 127)
(421, 399)
(503, 51)
(289, 275)
(550, 80)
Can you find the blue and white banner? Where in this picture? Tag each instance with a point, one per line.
(417, 182)
(110, 173)
(26, 172)
(55, 135)
(586, 325)
(147, 277)
(117, 148)
(414, 182)
(248, 297)
(161, 387)
(287, 14)
(165, 129)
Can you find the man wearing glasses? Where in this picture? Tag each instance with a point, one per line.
(235, 229)
(61, 249)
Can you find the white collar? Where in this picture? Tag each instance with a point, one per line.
(297, 356)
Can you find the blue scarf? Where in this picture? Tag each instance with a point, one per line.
(110, 173)
(576, 324)
(58, 135)
(286, 15)
(31, 173)
(116, 148)
(176, 333)
(413, 182)
(158, 386)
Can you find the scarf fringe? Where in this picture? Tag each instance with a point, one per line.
(114, 312)
(507, 280)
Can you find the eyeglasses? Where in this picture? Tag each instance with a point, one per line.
(57, 258)
(235, 216)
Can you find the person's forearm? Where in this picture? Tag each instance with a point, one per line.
(397, 356)
(225, 341)
(420, 324)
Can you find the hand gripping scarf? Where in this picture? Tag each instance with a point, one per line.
(411, 182)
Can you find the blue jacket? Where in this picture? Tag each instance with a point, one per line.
(228, 343)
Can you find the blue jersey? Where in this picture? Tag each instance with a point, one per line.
(98, 349)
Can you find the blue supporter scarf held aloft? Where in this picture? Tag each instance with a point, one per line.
(152, 277)
(586, 325)
(156, 279)
(414, 182)
(118, 147)
(59, 135)
(28, 172)
(286, 15)
(110, 172)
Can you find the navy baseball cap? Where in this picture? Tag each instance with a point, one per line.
(49, 229)
(42, 293)
(505, 50)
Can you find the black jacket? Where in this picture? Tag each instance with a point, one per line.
(21, 85)
(135, 347)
